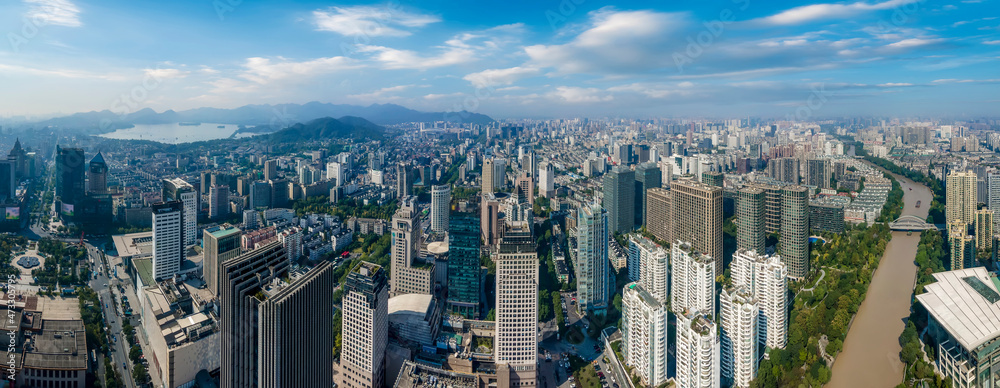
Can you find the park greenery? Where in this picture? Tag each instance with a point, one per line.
(345, 208)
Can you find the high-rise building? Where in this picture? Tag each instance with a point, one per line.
(984, 230)
(97, 175)
(365, 327)
(70, 170)
(819, 173)
(698, 358)
(647, 176)
(525, 188)
(494, 174)
(794, 240)
(738, 337)
(962, 246)
(337, 172)
(619, 198)
(178, 190)
(168, 238)
(644, 334)
(546, 180)
(784, 169)
(772, 208)
(659, 213)
(713, 178)
(490, 219)
(767, 279)
(648, 265)
(440, 207)
(593, 270)
(993, 195)
(260, 195)
(404, 180)
(697, 215)
(8, 180)
(961, 197)
(516, 345)
(750, 219)
(251, 220)
(464, 281)
(692, 286)
(218, 202)
(270, 169)
(410, 274)
(221, 243)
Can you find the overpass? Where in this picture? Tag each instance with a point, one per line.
(910, 223)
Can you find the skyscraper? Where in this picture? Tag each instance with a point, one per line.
(738, 337)
(487, 176)
(546, 180)
(70, 170)
(593, 271)
(494, 174)
(619, 198)
(961, 197)
(648, 265)
(8, 180)
(365, 327)
(659, 213)
(218, 202)
(644, 334)
(750, 219)
(525, 188)
(647, 176)
(698, 363)
(767, 280)
(410, 275)
(221, 243)
(178, 190)
(168, 238)
(440, 206)
(464, 282)
(516, 346)
(404, 180)
(692, 286)
(819, 173)
(962, 246)
(984, 230)
(794, 240)
(270, 169)
(97, 175)
(697, 215)
(772, 208)
(337, 172)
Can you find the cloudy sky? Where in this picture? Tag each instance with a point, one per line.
(540, 58)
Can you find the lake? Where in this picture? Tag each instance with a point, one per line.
(174, 133)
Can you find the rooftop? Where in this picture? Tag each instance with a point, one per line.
(964, 303)
(144, 267)
(134, 244)
(417, 305)
(61, 345)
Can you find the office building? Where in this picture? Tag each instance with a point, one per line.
(464, 280)
(767, 280)
(984, 230)
(516, 343)
(270, 169)
(366, 327)
(168, 238)
(793, 243)
(218, 202)
(644, 334)
(70, 170)
(750, 219)
(697, 215)
(546, 180)
(525, 188)
(647, 176)
(648, 265)
(619, 198)
(8, 181)
(593, 271)
(55, 356)
(738, 337)
(713, 178)
(97, 175)
(260, 195)
(178, 190)
(490, 221)
(960, 197)
(659, 211)
(404, 180)
(220, 243)
(240, 281)
(336, 172)
(410, 273)
(692, 286)
(494, 174)
(698, 358)
(440, 207)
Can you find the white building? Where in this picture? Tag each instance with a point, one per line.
(644, 334)
(546, 180)
(767, 278)
(648, 265)
(291, 239)
(168, 238)
(365, 327)
(697, 351)
(377, 177)
(440, 207)
(593, 270)
(693, 286)
(178, 190)
(337, 172)
(516, 343)
(738, 337)
(410, 273)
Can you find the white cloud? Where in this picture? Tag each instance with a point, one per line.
(370, 21)
(407, 59)
(573, 94)
(263, 70)
(808, 13)
(913, 42)
(991, 42)
(54, 12)
(894, 84)
(494, 77)
(386, 93)
(160, 74)
(462, 48)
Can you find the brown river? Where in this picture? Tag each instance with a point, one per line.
(871, 351)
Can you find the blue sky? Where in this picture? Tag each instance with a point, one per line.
(546, 59)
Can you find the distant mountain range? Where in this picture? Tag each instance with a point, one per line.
(274, 116)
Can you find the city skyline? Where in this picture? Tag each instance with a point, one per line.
(544, 60)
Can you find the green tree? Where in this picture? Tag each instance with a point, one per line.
(139, 373)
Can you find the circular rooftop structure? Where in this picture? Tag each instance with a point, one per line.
(28, 261)
(438, 247)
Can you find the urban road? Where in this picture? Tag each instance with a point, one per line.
(871, 351)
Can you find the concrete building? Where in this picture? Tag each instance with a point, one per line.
(767, 280)
(698, 358)
(56, 357)
(168, 238)
(648, 265)
(644, 334)
(984, 230)
(516, 343)
(336, 172)
(411, 274)
(960, 308)
(692, 286)
(772, 208)
(494, 174)
(182, 333)
(546, 180)
(464, 280)
(619, 198)
(820, 173)
(270, 169)
(697, 215)
(366, 327)
(414, 319)
(490, 221)
(404, 180)
(750, 222)
(794, 241)
(739, 336)
(440, 207)
(593, 272)
(960, 197)
(826, 217)
(647, 176)
(178, 190)
(963, 246)
(220, 243)
(218, 202)
(659, 211)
